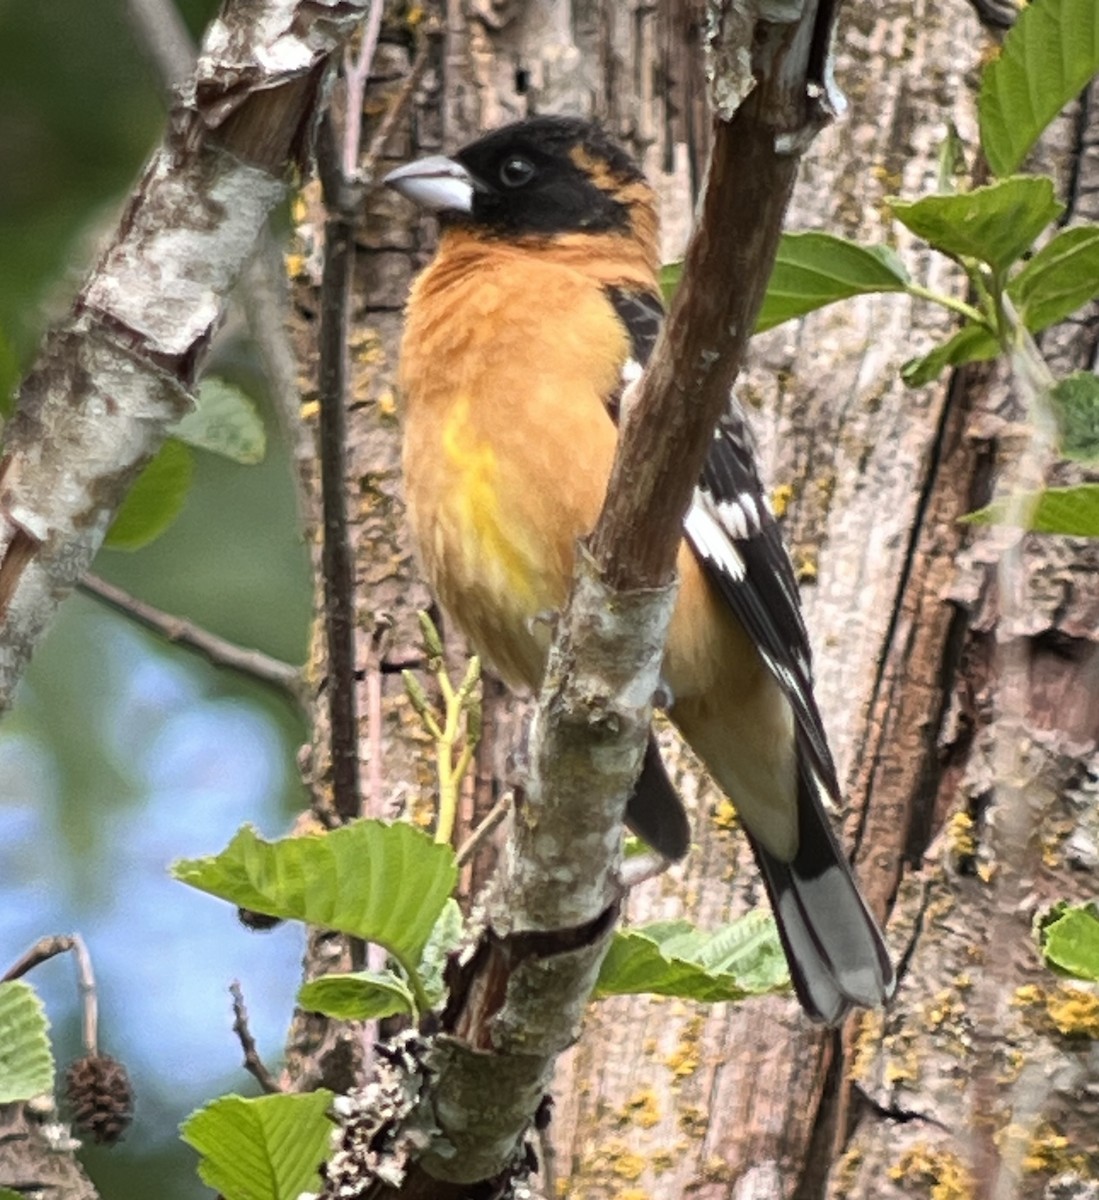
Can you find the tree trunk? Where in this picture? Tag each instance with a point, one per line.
(668, 1099)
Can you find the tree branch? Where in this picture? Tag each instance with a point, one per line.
(110, 381)
(518, 1000)
(216, 650)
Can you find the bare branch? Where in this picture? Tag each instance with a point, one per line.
(110, 382)
(215, 649)
(49, 947)
(253, 1064)
(337, 560)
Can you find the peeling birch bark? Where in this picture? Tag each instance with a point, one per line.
(111, 381)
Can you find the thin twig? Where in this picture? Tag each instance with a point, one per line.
(253, 1064)
(62, 943)
(396, 110)
(89, 1000)
(164, 35)
(42, 951)
(214, 649)
(383, 624)
(495, 815)
(356, 68)
(337, 559)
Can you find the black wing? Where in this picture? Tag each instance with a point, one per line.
(733, 530)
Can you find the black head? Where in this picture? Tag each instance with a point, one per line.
(545, 175)
(549, 175)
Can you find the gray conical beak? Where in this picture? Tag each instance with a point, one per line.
(436, 183)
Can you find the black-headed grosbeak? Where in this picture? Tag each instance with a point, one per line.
(541, 304)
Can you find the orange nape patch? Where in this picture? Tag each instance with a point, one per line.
(633, 193)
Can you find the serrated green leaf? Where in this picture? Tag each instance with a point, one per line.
(1046, 59)
(155, 500)
(1072, 942)
(1071, 511)
(357, 996)
(383, 883)
(1075, 404)
(26, 1062)
(815, 269)
(268, 1148)
(672, 958)
(1061, 277)
(996, 224)
(225, 422)
(971, 343)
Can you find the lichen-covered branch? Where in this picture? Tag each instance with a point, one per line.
(112, 379)
(517, 1000)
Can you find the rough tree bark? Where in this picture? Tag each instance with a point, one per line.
(667, 1099)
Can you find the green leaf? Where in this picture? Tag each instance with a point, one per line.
(445, 938)
(226, 422)
(1075, 403)
(1046, 59)
(996, 224)
(384, 883)
(670, 275)
(971, 343)
(1072, 942)
(1072, 511)
(672, 958)
(358, 996)
(155, 500)
(269, 1148)
(815, 269)
(26, 1063)
(8, 1194)
(1061, 277)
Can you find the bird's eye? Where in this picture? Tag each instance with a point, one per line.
(516, 170)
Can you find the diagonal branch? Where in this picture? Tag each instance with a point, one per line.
(517, 1001)
(112, 379)
(217, 650)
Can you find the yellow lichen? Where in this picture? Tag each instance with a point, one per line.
(642, 1108)
(866, 1044)
(717, 1170)
(692, 1120)
(961, 835)
(725, 815)
(1050, 1152)
(780, 499)
(1074, 1011)
(683, 1060)
(805, 567)
(661, 1161)
(945, 1173)
(903, 1070)
(628, 1165)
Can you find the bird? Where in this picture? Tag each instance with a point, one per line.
(540, 307)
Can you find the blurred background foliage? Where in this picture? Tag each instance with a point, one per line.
(124, 752)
